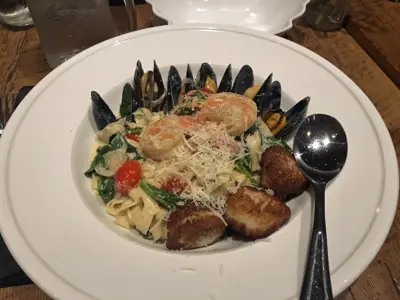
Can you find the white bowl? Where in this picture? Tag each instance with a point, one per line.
(62, 239)
(272, 16)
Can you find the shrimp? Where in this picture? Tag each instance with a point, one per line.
(158, 140)
(237, 112)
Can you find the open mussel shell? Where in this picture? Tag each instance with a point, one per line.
(271, 100)
(102, 114)
(294, 117)
(128, 104)
(147, 87)
(158, 81)
(173, 89)
(206, 78)
(243, 80)
(188, 82)
(189, 73)
(226, 82)
(158, 94)
(137, 83)
(262, 91)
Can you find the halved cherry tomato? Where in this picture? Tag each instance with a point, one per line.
(132, 137)
(128, 176)
(174, 185)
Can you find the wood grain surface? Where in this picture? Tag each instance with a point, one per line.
(22, 62)
(375, 25)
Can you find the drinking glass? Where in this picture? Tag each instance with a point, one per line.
(67, 27)
(326, 15)
(15, 13)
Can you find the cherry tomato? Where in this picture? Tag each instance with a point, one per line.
(132, 137)
(128, 176)
(174, 185)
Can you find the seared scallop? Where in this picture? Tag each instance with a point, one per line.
(255, 213)
(280, 172)
(192, 227)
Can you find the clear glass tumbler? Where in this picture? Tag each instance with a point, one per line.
(15, 13)
(326, 15)
(67, 27)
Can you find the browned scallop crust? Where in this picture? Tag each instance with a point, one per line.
(192, 227)
(254, 213)
(280, 172)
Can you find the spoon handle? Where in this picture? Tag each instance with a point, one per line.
(317, 281)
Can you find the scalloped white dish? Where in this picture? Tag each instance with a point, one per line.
(62, 238)
(272, 16)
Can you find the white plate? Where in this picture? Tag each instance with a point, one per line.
(272, 16)
(62, 239)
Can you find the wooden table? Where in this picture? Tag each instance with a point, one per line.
(22, 62)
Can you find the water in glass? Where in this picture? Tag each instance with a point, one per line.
(67, 27)
(15, 13)
(326, 15)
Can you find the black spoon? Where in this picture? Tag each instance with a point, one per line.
(320, 149)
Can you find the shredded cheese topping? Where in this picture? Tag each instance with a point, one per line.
(204, 162)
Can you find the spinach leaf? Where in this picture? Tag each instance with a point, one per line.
(269, 141)
(104, 149)
(252, 129)
(169, 201)
(243, 165)
(97, 161)
(185, 111)
(199, 95)
(117, 142)
(125, 108)
(136, 130)
(106, 188)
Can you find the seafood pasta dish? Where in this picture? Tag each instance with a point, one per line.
(186, 159)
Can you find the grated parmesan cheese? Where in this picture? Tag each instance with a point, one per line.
(205, 161)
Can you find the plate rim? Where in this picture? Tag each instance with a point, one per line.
(388, 155)
(289, 24)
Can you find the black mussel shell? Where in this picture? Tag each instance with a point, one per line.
(102, 114)
(262, 92)
(188, 82)
(189, 73)
(226, 82)
(128, 104)
(243, 80)
(148, 94)
(294, 117)
(158, 82)
(137, 83)
(205, 71)
(173, 89)
(271, 101)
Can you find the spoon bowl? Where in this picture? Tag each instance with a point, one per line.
(320, 149)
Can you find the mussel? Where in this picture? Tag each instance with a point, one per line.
(174, 90)
(149, 87)
(293, 118)
(257, 92)
(102, 114)
(243, 80)
(206, 78)
(148, 91)
(226, 82)
(188, 83)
